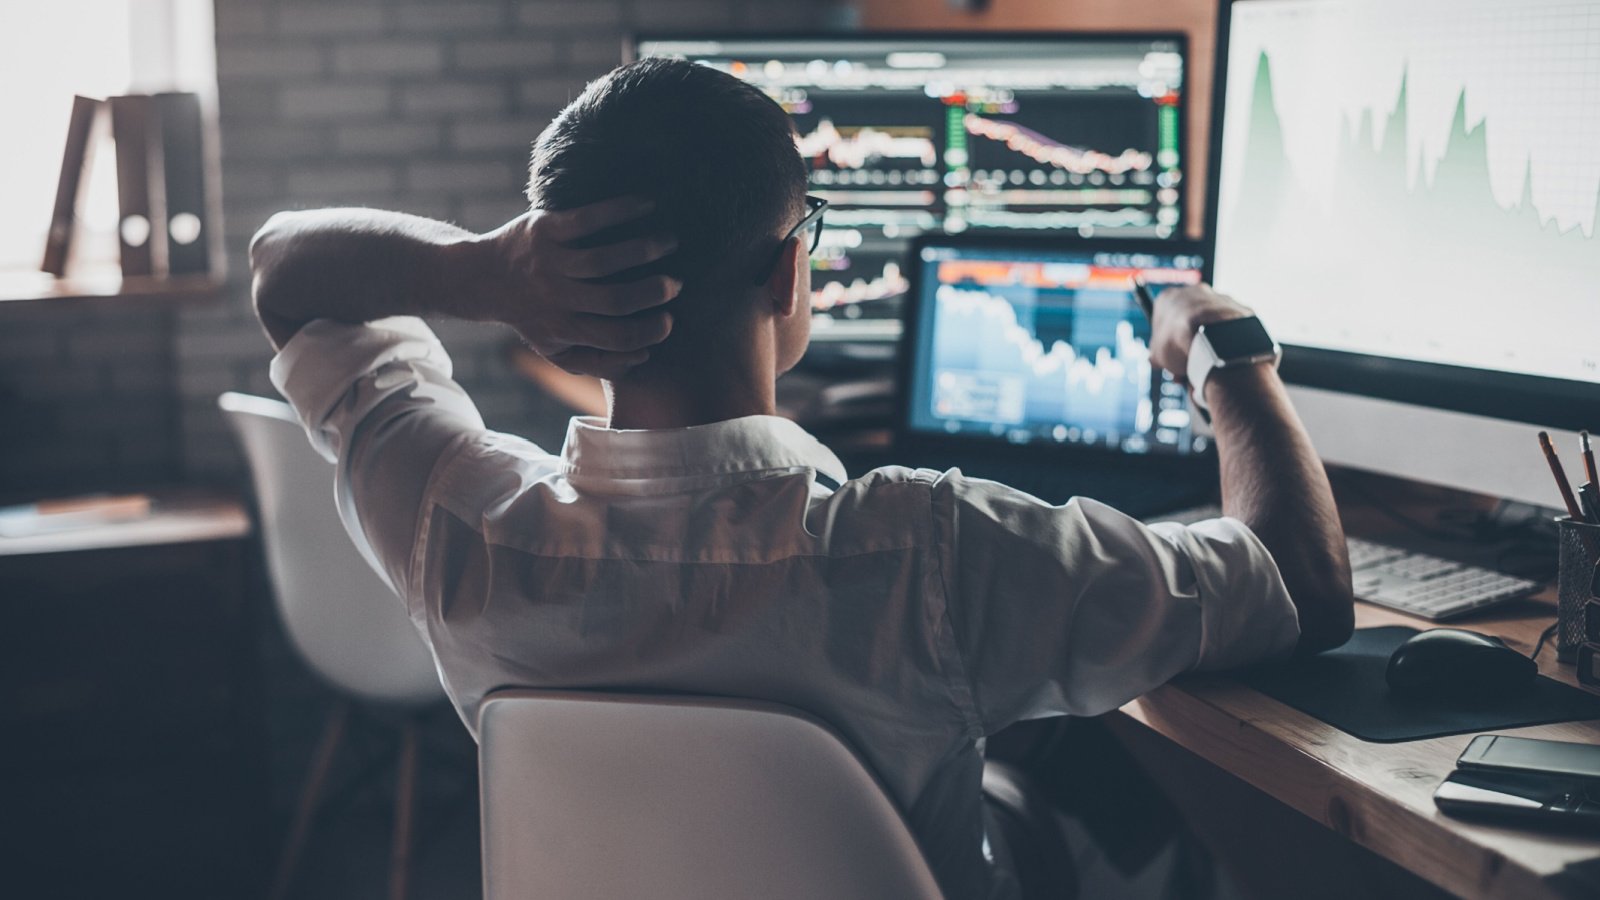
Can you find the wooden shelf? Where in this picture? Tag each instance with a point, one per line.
(31, 289)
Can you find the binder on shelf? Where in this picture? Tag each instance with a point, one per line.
(64, 218)
(189, 221)
(141, 193)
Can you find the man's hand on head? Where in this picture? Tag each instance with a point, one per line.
(1177, 314)
(560, 296)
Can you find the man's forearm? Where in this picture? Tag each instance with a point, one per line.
(1273, 481)
(356, 265)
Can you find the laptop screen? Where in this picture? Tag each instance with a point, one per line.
(1028, 342)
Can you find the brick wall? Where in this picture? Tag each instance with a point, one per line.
(86, 395)
(426, 107)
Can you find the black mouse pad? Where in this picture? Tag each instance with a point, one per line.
(1345, 687)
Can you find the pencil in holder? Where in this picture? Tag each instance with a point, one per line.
(1580, 552)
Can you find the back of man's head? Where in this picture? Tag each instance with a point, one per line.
(716, 154)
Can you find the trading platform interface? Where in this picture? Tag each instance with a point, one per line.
(1077, 134)
(1046, 347)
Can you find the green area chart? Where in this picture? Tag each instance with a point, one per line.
(1376, 217)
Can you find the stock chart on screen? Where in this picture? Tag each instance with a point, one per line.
(1422, 175)
(1060, 133)
(1045, 346)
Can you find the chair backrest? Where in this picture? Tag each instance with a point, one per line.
(590, 796)
(342, 618)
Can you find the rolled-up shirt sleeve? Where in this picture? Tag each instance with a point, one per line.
(1077, 609)
(377, 400)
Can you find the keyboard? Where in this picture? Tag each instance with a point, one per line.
(1429, 587)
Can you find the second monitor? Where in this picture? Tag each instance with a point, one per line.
(1017, 341)
(906, 134)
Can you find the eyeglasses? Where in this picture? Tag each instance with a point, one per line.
(812, 220)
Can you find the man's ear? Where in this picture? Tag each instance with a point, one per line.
(783, 285)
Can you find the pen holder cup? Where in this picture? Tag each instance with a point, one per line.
(1575, 585)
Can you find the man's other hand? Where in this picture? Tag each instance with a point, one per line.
(560, 298)
(1177, 314)
(1272, 480)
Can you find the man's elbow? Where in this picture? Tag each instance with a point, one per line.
(268, 275)
(1327, 615)
(267, 245)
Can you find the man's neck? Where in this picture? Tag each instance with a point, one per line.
(697, 396)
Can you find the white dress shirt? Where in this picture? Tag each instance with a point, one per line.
(915, 611)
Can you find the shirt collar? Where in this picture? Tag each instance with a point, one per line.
(747, 444)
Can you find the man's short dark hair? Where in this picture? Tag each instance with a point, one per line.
(715, 153)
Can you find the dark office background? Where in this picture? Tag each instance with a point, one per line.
(426, 107)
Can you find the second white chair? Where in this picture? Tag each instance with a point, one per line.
(344, 621)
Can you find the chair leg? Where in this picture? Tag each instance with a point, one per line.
(404, 811)
(310, 796)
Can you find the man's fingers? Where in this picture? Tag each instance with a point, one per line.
(621, 334)
(623, 298)
(609, 259)
(581, 221)
(598, 363)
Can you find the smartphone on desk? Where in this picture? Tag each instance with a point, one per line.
(1534, 798)
(1497, 752)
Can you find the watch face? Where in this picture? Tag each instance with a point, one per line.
(1239, 338)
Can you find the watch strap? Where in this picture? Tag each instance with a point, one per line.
(1202, 359)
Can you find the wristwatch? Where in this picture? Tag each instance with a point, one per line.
(1231, 342)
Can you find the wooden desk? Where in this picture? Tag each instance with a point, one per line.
(1379, 796)
(133, 754)
(175, 518)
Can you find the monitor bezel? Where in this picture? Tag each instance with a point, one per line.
(632, 40)
(630, 46)
(1530, 399)
(1181, 464)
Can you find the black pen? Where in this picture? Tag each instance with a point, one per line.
(1590, 495)
(1141, 292)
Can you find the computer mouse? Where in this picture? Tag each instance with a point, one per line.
(1455, 661)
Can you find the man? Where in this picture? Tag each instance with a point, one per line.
(696, 544)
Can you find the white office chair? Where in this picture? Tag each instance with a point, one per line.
(344, 621)
(609, 796)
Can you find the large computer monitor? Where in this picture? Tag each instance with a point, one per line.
(1407, 192)
(904, 134)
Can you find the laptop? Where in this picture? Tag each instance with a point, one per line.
(1025, 360)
